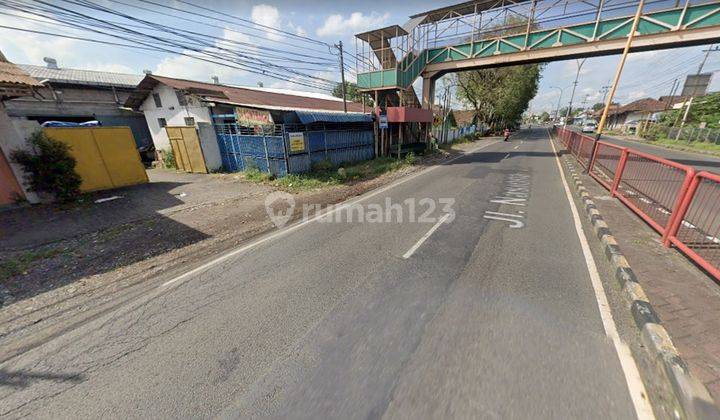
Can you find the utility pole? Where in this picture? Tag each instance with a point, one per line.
(557, 110)
(618, 73)
(604, 91)
(575, 83)
(689, 104)
(339, 46)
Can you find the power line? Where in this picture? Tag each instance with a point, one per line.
(134, 36)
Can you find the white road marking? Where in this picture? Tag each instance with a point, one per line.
(422, 240)
(300, 224)
(638, 395)
(506, 156)
(516, 147)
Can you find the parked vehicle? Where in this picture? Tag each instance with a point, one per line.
(589, 127)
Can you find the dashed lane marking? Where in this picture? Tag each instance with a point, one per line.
(424, 238)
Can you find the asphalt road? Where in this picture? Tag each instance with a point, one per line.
(470, 317)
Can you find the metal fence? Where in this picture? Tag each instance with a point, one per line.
(696, 230)
(688, 134)
(452, 134)
(682, 205)
(269, 148)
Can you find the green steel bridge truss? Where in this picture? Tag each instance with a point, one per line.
(665, 21)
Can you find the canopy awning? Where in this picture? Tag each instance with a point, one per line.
(307, 117)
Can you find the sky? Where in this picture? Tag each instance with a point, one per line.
(648, 74)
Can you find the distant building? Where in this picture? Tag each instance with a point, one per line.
(73, 95)
(243, 112)
(167, 101)
(627, 117)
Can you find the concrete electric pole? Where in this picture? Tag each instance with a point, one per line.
(339, 46)
(575, 83)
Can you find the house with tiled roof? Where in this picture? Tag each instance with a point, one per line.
(630, 115)
(168, 101)
(77, 95)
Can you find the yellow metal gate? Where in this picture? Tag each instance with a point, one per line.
(106, 157)
(186, 148)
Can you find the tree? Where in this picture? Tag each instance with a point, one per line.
(352, 93)
(704, 109)
(598, 106)
(49, 166)
(500, 95)
(544, 117)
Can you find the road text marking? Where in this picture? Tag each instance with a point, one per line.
(417, 245)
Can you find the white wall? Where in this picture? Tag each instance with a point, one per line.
(172, 112)
(209, 145)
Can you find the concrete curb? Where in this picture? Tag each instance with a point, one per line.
(694, 399)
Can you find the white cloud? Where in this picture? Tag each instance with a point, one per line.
(298, 29)
(267, 15)
(188, 67)
(357, 22)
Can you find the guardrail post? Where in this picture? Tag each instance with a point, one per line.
(682, 203)
(592, 156)
(619, 171)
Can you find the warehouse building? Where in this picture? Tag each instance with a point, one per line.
(72, 95)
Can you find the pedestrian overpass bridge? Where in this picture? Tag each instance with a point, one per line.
(490, 33)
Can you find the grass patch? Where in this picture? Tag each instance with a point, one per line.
(17, 265)
(708, 148)
(327, 176)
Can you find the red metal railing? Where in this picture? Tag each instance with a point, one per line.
(651, 186)
(605, 163)
(696, 229)
(684, 207)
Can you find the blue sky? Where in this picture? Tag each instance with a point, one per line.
(646, 74)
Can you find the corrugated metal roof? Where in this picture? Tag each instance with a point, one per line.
(238, 96)
(308, 117)
(82, 77)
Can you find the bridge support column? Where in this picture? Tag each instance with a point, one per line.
(428, 93)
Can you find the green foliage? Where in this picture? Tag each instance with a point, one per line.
(50, 167)
(544, 117)
(169, 159)
(704, 109)
(331, 177)
(13, 266)
(352, 93)
(500, 95)
(323, 165)
(410, 158)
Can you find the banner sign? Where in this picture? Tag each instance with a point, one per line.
(297, 142)
(248, 117)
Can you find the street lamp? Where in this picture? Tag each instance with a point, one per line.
(557, 111)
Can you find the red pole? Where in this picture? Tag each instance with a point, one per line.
(685, 196)
(619, 172)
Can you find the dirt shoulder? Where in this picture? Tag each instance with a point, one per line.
(62, 266)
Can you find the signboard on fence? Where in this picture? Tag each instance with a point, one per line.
(383, 121)
(248, 117)
(297, 142)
